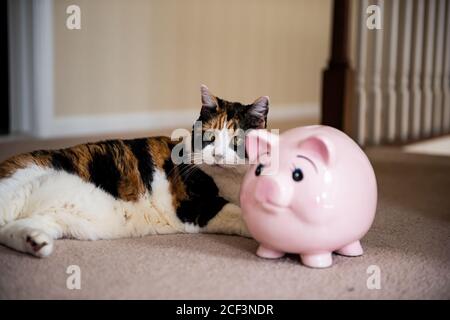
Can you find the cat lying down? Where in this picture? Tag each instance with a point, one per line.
(129, 188)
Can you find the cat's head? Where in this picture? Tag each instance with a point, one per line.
(223, 125)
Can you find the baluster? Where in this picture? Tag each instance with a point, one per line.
(360, 115)
(390, 52)
(416, 68)
(427, 69)
(375, 95)
(404, 54)
(438, 72)
(446, 74)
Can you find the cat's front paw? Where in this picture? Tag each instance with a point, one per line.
(38, 243)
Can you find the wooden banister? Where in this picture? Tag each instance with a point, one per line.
(337, 81)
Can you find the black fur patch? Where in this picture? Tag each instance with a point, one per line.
(231, 112)
(61, 161)
(104, 173)
(203, 201)
(140, 149)
(247, 121)
(41, 153)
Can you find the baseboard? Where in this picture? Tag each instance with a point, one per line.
(113, 123)
(129, 122)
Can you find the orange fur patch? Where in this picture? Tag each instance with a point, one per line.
(8, 167)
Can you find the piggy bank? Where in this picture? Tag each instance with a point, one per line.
(310, 191)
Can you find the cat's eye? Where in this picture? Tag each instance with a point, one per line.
(297, 175)
(209, 136)
(259, 169)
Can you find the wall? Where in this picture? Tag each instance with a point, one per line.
(140, 56)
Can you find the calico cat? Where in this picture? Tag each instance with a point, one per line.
(128, 188)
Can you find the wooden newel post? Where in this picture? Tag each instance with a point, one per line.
(337, 81)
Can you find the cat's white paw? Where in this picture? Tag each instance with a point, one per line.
(38, 243)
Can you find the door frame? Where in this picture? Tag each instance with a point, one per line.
(30, 25)
(5, 118)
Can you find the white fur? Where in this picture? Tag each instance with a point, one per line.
(16, 189)
(220, 152)
(47, 204)
(228, 171)
(38, 205)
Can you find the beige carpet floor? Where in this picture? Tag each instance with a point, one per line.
(409, 242)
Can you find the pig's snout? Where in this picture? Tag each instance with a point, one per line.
(270, 191)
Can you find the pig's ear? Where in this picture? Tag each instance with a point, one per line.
(319, 147)
(259, 142)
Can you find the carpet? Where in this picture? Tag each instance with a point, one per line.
(409, 245)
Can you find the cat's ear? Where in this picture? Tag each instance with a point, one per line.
(258, 110)
(209, 101)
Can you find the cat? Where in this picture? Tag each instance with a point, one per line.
(129, 188)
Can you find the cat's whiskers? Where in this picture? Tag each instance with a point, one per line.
(189, 171)
(183, 171)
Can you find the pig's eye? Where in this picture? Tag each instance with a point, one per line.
(297, 175)
(258, 169)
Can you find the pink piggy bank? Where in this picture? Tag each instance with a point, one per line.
(310, 191)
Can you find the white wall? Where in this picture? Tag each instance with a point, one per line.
(138, 64)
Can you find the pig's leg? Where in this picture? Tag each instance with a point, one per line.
(267, 253)
(318, 260)
(353, 249)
